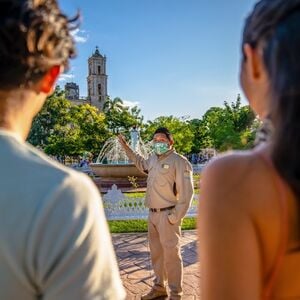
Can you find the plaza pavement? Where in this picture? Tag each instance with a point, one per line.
(135, 267)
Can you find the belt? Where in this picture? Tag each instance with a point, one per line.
(161, 209)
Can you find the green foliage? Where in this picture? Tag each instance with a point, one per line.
(201, 137)
(230, 127)
(182, 133)
(120, 118)
(68, 130)
(133, 181)
(93, 129)
(55, 112)
(65, 141)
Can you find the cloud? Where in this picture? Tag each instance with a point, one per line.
(80, 36)
(130, 104)
(66, 77)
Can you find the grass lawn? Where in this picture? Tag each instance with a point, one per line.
(135, 195)
(141, 225)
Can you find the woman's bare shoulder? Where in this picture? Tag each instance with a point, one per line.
(235, 177)
(232, 167)
(227, 220)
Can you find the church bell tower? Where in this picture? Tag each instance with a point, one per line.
(97, 80)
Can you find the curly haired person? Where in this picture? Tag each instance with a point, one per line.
(54, 240)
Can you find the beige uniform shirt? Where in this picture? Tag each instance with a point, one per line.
(54, 240)
(170, 181)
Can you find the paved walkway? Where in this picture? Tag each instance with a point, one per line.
(135, 267)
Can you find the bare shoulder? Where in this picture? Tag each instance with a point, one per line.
(227, 227)
(230, 168)
(234, 178)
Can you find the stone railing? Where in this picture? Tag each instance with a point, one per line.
(119, 206)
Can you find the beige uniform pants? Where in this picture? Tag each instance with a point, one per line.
(164, 240)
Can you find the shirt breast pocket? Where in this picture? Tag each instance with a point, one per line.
(165, 169)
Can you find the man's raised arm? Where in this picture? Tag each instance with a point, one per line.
(141, 163)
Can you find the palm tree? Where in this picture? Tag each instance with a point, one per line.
(115, 104)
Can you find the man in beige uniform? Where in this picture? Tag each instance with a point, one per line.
(169, 195)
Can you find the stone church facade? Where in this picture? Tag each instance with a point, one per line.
(96, 83)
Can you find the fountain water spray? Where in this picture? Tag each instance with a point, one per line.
(113, 153)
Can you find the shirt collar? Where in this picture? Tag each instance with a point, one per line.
(9, 133)
(165, 155)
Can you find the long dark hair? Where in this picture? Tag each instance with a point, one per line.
(274, 26)
(34, 36)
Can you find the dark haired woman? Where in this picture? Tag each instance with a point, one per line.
(54, 241)
(249, 217)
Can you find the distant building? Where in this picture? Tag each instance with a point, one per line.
(96, 83)
(97, 79)
(72, 91)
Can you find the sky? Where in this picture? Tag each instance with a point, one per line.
(169, 57)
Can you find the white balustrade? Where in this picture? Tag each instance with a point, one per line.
(120, 206)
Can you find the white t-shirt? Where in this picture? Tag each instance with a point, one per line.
(54, 240)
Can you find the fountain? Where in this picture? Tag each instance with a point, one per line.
(113, 167)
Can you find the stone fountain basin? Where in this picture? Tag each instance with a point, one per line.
(116, 170)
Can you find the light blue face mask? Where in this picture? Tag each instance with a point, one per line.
(161, 148)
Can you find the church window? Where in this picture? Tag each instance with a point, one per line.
(99, 89)
(91, 89)
(99, 69)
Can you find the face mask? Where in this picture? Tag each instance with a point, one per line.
(160, 148)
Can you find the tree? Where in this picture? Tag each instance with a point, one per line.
(115, 104)
(242, 116)
(230, 127)
(56, 111)
(120, 118)
(201, 139)
(65, 141)
(93, 129)
(68, 130)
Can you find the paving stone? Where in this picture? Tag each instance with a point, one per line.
(123, 254)
(140, 275)
(136, 289)
(130, 270)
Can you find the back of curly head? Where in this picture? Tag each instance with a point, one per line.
(34, 36)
